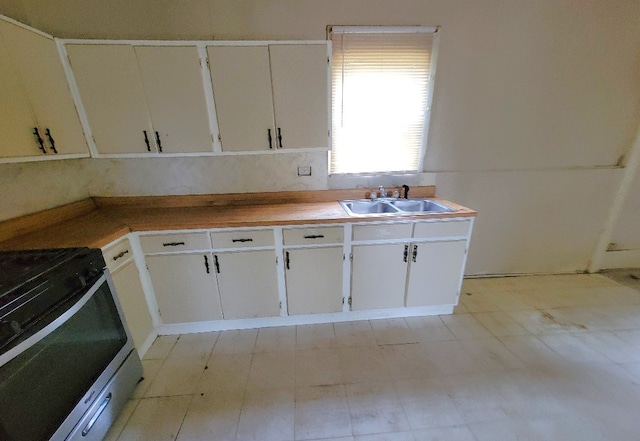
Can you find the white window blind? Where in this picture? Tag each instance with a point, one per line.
(380, 82)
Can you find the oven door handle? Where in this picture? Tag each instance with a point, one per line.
(51, 327)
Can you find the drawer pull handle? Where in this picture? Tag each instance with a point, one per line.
(216, 263)
(279, 138)
(270, 138)
(40, 140)
(206, 264)
(96, 415)
(314, 236)
(415, 252)
(158, 142)
(146, 140)
(120, 255)
(286, 259)
(172, 244)
(51, 140)
(242, 240)
(406, 252)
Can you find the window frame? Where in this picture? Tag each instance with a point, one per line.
(381, 29)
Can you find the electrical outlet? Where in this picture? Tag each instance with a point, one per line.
(304, 171)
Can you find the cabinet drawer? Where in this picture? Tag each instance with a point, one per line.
(243, 239)
(311, 236)
(441, 229)
(117, 254)
(174, 242)
(382, 231)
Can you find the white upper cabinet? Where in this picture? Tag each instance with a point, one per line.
(142, 99)
(112, 96)
(37, 113)
(16, 120)
(271, 96)
(300, 97)
(173, 86)
(242, 92)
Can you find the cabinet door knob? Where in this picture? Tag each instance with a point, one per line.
(158, 142)
(51, 140)
(146, 140)
(39, 140)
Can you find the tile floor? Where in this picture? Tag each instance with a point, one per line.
(523, 358)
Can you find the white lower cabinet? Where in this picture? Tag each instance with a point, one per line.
(420, 269)
(378, 276)
(185, 287)
(235, 273)
(133, 302)
(314, 280)
(435, 273)
(248, 284)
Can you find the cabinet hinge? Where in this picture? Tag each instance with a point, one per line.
(281, 305)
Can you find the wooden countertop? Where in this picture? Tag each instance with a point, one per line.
(103, 220)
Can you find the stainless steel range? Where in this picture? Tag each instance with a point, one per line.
(67, 361)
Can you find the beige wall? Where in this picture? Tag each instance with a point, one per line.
(535, 102)
(30, 187)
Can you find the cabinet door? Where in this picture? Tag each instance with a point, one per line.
(16, 120)
(378, 277)
(314, 280)
(134, 305)
(186, 290)
(38, 63)
(175, 97)
(113, 97)
(242, 93)
(248, 284)
(300, 94)
(434, 275)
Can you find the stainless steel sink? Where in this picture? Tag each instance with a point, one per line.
(364, 207)
(420, 206)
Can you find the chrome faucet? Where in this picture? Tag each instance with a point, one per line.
(383, 192)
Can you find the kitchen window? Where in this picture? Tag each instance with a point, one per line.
(382, 81)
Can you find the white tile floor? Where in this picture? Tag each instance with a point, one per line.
(523, 358)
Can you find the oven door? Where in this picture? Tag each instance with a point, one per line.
(49, 380)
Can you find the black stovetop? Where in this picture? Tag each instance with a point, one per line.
(34, 282)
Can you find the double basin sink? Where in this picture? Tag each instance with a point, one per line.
(363, 207)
